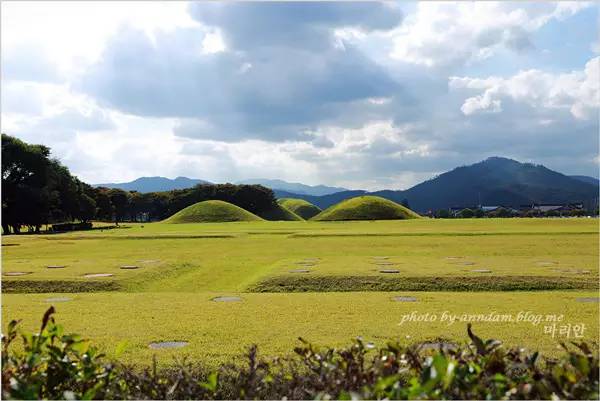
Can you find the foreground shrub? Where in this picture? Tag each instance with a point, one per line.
(54, 365)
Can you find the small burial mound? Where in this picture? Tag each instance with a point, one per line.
(302, 208)
(280, 213)
(212, 211)
(366, 208)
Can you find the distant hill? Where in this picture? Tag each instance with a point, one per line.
(155, 184)
(294, 187)
(494, 181)
(585, 178)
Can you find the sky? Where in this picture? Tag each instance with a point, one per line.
(366, 95)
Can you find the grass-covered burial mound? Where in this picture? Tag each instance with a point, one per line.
(366, 208)
(212, 211)
(302, 208)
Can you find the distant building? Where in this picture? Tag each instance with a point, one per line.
(559, 208)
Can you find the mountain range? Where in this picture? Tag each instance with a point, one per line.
(295, 187)
(494, 181)
(155, 184)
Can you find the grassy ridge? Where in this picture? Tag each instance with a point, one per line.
(301, 207)
(57, 286)
(366, 208)
(212, 211)
(418, 283)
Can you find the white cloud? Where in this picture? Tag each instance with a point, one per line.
(75, 33)
(577, 91)
(441, 34)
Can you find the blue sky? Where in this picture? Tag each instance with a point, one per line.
(363, 95)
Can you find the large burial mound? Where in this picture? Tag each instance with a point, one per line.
(302, 208)
(366, 208)
(212, 211)
(280, 213)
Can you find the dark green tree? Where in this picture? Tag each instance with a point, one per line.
(120, 202)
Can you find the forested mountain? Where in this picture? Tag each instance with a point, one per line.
(587, 179)
(494, 181)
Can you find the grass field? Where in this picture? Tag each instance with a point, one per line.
(181, 267)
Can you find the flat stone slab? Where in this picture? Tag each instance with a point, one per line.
(436, 345)
(55, 267)
(589, 299)
(404, 299)
(389, 271)
(59, 299)
(16, 273)
(381, 257)
(466, 263)
(129, 267)
(384, 263)
(168, 344)
(299, 271)
(454, 257)
(226, 299)
(481, 271)
(94, 275)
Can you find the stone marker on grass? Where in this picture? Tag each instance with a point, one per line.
(300, 271)
(129, 267)
(59, 299)
(481, 271)
(436, 345)
(404, 299)
(389, 271)
(55, 267)
(226, 299)
(589, 299)
(94, 275)
(168, 344)
(16, 273)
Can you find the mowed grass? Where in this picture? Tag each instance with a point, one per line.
(181, 267)
(218, 330)
(198, 257)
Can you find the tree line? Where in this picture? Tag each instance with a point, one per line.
(38, 190)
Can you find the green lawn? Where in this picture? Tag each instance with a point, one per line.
(182, 266)
(217, 330)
